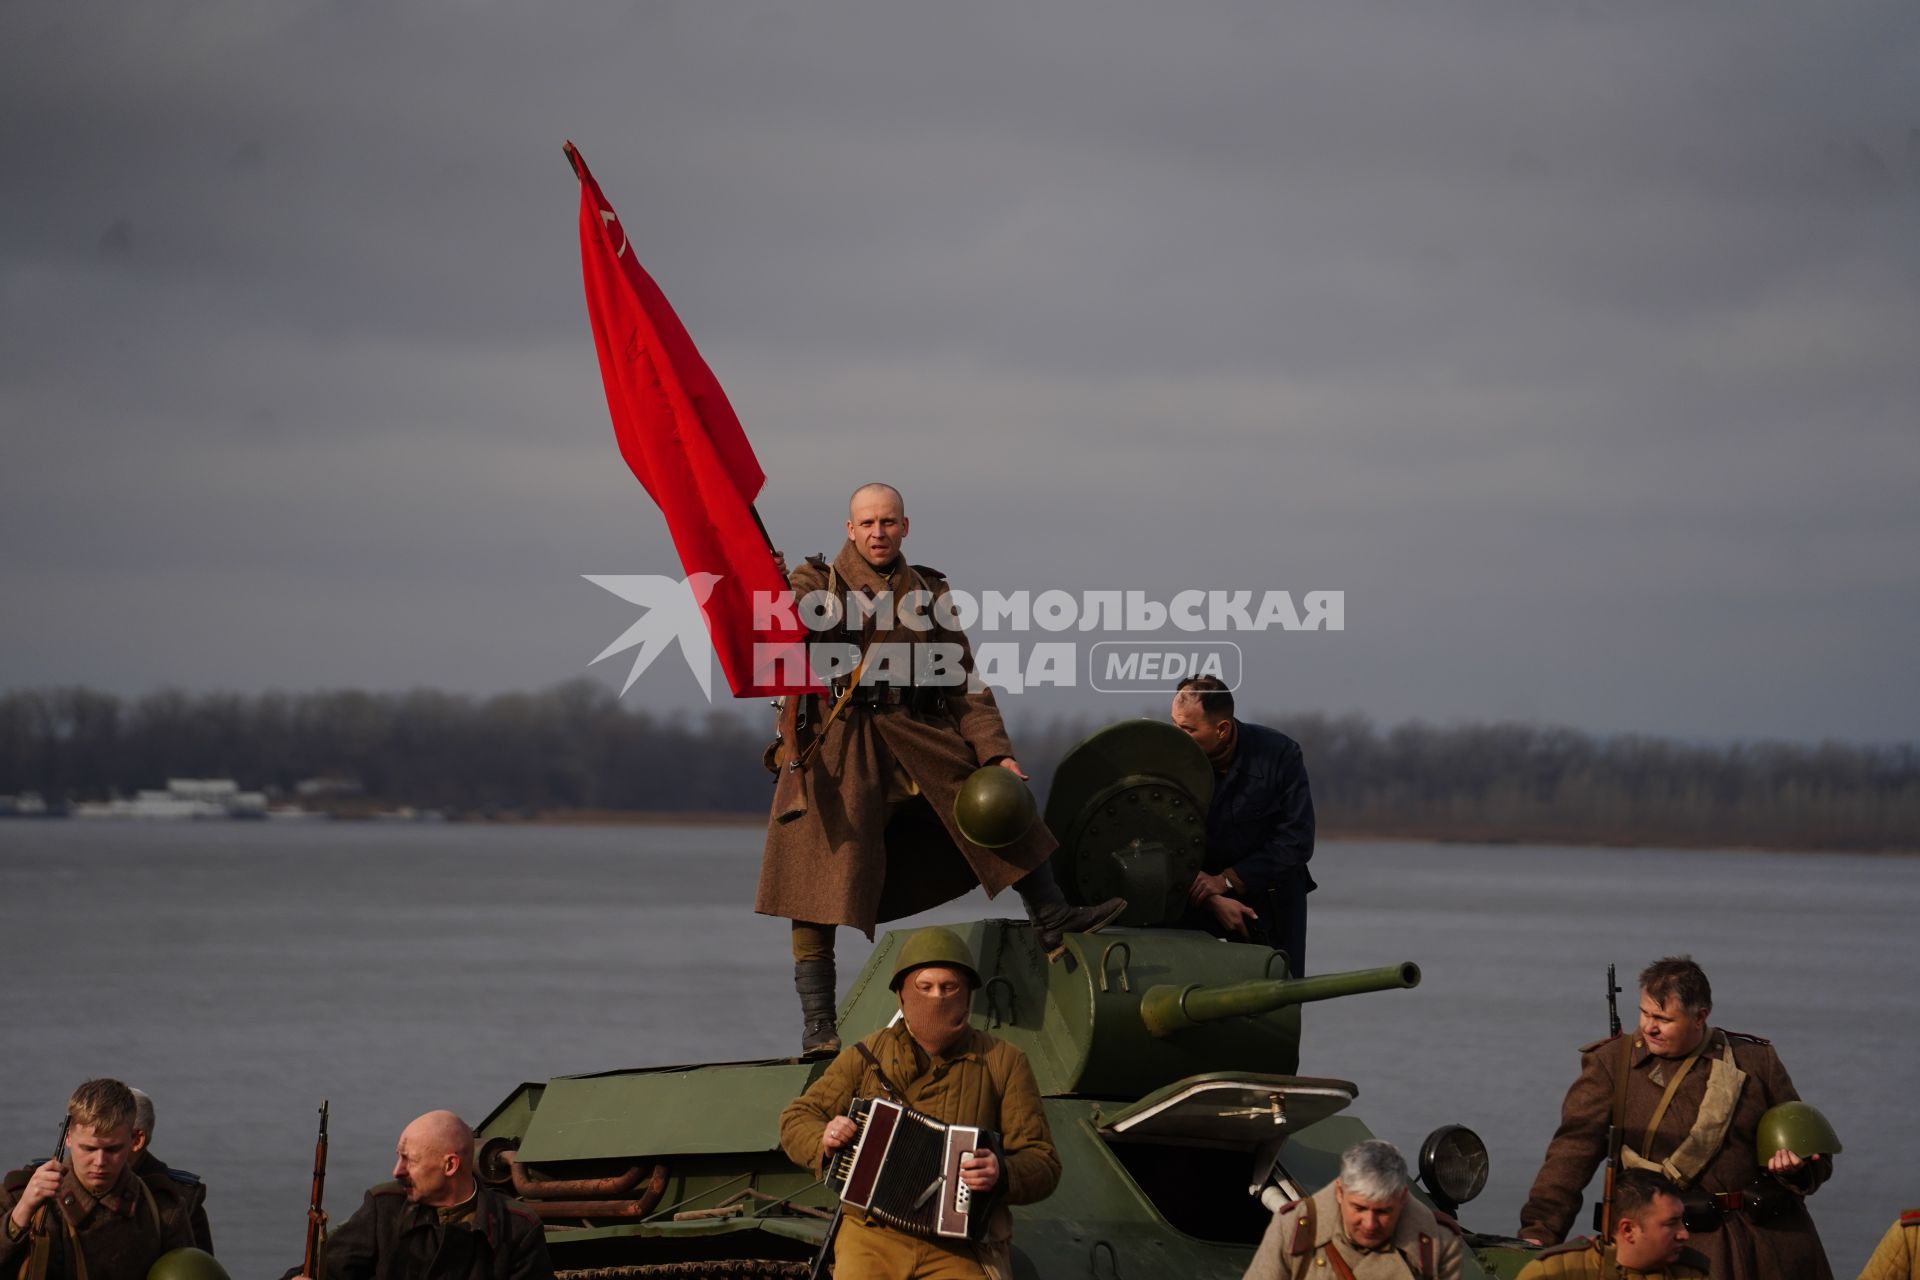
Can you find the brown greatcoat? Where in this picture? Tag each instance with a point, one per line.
(120, 1233)
(1741, 1249)
(851, 858)
(178, 1192)
(981, 1080)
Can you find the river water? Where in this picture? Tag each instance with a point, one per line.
(242, 972)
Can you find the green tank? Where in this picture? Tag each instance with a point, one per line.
(1166, 1057)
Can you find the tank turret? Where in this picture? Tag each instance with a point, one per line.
(1129, 808)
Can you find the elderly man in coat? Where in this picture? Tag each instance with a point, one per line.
(1364, 1225)
(866, 831)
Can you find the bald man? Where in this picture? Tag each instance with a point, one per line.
(434, 1221)
(866, 832)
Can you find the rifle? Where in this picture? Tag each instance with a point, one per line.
(311, 1262)
(1613, 1007)
(1616, 1121)
(39, 1223)
(823, 1259)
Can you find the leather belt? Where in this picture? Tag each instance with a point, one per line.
(894, 695)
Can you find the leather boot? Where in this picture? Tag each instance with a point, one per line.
(1052, 915)
(814, 980)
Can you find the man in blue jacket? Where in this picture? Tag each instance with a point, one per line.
(1254, 882)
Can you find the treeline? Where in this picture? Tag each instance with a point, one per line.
(571, 747)
(576, 747)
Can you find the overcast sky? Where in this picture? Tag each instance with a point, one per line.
(1577, 343)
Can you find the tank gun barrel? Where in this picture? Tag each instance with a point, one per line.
(1168, 1008)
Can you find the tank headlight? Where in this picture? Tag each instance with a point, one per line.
(1453, 1164)
(494, 1163)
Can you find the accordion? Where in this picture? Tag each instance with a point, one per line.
(904, 1169)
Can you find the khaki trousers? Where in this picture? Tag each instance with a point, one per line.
(862, 1252)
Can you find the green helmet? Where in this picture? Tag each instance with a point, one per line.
(994, 808)
(187, 1264)
(935, 946)
(1797, 1127)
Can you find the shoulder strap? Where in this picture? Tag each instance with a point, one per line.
(879, 1071)
(153, 1207)
(1303, 1234)
(1666, 1099)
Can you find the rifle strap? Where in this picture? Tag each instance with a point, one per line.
(812, 749)
(879, 1071)
(40, 1261)
(35, 1267)
(1666, 1099)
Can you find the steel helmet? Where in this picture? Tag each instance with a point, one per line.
(935, 946)
(187, 1264)
(994, 808)
(1797, 1127)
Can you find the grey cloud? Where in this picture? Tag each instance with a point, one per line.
(1574, 341)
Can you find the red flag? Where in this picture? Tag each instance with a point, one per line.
(680, 436)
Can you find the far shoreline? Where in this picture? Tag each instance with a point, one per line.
(1397, 835)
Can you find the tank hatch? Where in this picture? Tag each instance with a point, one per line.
(1228, 1109)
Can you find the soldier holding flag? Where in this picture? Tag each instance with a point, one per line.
(865, 830)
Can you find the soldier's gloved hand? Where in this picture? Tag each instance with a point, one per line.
(42, 1187)
(838, 1133)
(980, 1170)
(780, 563)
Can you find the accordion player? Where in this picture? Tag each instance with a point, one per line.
(904, 1169)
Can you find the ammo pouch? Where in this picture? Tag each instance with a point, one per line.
(1703, 1212)
(1767, 1199)
(1764, 1200)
